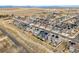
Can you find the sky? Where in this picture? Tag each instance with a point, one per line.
(38, 2)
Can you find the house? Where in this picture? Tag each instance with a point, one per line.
(54, 38)
(43, 35)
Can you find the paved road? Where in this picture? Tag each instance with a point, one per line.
(73, 39)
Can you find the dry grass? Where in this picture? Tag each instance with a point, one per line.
(30, 42)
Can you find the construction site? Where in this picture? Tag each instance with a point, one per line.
(39, 30)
